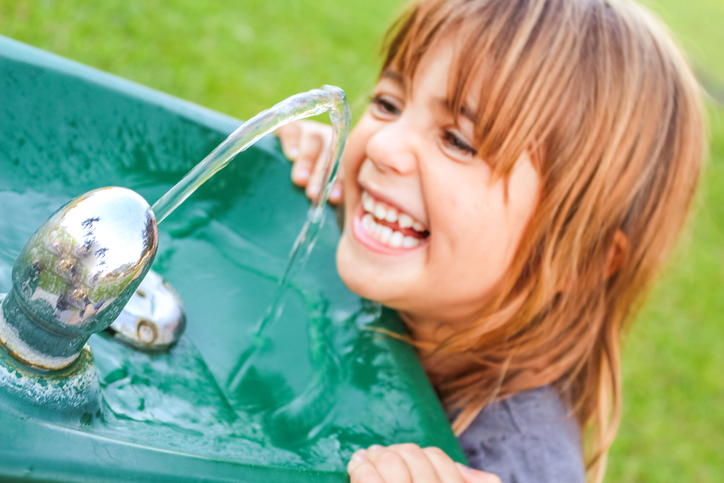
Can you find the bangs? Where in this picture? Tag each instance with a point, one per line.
(502, 62)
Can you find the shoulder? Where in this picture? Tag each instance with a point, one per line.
(528, 437)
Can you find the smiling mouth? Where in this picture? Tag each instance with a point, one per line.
(389, 226)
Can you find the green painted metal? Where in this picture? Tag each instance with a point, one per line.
(324, 383)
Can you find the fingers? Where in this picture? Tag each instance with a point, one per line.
(419, 465)
(303, 142)
(471, 475)
(390, 465)
(403, 463)
(408, 463)
(307, 143)
(289, 136)
(316, 182)
(312, 149)
(361, 470)
(445, 467)
(336, 195)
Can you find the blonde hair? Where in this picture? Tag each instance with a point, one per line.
(603, 99)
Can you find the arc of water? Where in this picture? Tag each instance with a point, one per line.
(330, 99)
(300, 106)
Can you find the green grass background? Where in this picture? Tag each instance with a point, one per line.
(241, 57)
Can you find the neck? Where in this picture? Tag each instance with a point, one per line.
(429, 334)
(426, 331)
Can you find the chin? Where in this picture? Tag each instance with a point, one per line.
(349, 270)
(357, 275)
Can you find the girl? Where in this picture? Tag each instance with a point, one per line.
(517, 180)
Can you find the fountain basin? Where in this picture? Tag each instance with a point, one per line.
(323, 383)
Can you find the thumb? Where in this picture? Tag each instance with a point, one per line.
(471, 475)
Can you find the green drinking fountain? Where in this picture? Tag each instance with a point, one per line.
(196, 349)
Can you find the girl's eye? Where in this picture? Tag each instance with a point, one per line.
(385, 106)
(457, 142)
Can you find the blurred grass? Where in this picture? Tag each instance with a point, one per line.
(699, 28)
(673, 418)
(241, 57)
(235, 57)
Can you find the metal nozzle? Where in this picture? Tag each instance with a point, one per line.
(75, 275)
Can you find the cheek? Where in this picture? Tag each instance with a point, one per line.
(353, 156)
(360, 278)
(480, 225)
(524, 192)
(465, 207)
(356, 146)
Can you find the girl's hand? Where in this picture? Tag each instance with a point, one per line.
(408, 463)
(307, 144)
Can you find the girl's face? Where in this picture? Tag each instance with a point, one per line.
(426, 232)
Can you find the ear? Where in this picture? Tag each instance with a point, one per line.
(617, 254)
(616, 258)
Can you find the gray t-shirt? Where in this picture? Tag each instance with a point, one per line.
(527, 438)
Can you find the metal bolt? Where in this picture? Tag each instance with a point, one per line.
(147, 331)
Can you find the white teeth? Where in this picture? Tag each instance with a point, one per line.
(410, 242)
(367, 222)
(383, 211)
(397, 239)
(386, 235)
(368, 202)
(380, 212)
(404, 220)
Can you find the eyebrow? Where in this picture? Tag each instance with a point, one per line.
(468, 113)
(465, 110)
(393, 76)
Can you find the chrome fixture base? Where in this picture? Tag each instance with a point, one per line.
(154, 318)
(75, 275)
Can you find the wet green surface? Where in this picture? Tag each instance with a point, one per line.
(323, 384)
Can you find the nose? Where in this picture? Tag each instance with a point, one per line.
(394, 148)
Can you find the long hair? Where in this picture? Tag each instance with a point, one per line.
(600, 96)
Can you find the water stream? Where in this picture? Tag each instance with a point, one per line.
(300, 106)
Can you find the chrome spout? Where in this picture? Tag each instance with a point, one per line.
(75, 275)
